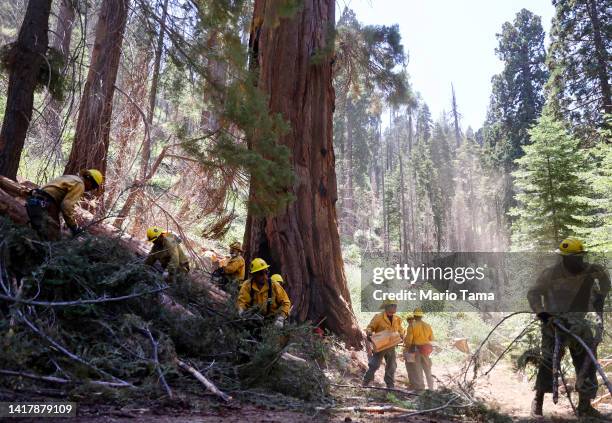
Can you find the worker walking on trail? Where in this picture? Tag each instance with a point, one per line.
(571, 293)
(259, 292)
(60, 195)
(419, 337)
(167, 250)
(232, 273)
(384, 321)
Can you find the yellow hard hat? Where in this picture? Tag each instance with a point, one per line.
(154, 232)
(277, 278)
(418, 312)
(388, 303)
(258, 264)
(96, 175)
(570, 246)
(409, 316)
(235, 246)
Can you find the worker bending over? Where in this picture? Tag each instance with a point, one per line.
(59, 195)
(260, 292)
(167, 250)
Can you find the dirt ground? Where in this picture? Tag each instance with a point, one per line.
(503, 390)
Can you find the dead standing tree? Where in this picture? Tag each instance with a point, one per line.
(293, 59)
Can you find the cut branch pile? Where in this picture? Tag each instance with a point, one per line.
(87, 314)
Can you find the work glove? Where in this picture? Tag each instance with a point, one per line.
(279, 322)
(544, 317)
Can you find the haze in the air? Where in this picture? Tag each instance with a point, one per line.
(450, 41)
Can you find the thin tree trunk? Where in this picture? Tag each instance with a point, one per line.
(403, 200)
(128, 126)
(61, 42)
(384, 197)
(302, 242)
(26, 57)
(91, 141)
(134, 197)
(349, 204)
(456, 119)
(146, 147)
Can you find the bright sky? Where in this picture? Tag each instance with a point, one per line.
(450, 41)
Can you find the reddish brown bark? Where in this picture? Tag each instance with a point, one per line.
(302, 242)
(91, 140)
(25, 59)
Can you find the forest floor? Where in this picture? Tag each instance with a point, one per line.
(503, 391)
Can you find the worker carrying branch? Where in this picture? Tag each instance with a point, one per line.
(60, 195)
(384, 321)
(167, 250)
(572, 292)
(263, 295)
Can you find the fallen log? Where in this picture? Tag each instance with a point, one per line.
(13, 208)
(207, 383)
(16, 189)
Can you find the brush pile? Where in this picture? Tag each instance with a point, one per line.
(84, 318)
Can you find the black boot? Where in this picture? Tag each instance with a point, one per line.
(585, 409)
(537, 403)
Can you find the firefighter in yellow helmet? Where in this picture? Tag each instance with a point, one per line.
(387, 320)
(572, 292)
(60, 195)
(167, 250)
(419, 337)
(269, 298)
(277, 278)
(410, 357)
(235, 268)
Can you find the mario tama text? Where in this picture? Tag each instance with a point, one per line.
(453, 281)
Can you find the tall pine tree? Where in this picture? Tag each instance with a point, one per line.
(549, 185)
(579, 59)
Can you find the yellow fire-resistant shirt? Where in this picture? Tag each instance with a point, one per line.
(279, 301)
(419, 333)
(235, 268)
(381, 322)
(168, 251)
(67, 191)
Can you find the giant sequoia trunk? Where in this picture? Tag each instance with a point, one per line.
(91, 140)
(302, 242)
(25, 59)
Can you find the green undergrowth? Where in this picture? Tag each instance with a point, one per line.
(111, 339)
